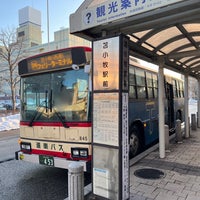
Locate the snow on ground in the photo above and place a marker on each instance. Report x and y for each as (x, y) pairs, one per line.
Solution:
(9, 122)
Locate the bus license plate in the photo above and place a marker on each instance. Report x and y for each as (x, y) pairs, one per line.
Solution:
(46, 160)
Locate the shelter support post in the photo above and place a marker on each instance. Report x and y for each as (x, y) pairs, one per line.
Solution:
(186, 106)
(161, 110)
(198, 105)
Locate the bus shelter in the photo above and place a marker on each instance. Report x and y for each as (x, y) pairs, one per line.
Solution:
(166, 33)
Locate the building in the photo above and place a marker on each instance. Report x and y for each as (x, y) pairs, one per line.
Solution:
(30, 26)
(29, 31)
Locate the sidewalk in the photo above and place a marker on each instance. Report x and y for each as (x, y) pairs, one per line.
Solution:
(181, 168)
(181, 173)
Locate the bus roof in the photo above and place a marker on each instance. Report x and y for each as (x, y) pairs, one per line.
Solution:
(154, 68)
(57, 51)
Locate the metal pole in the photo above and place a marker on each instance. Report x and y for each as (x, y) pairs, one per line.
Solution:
(167, 137)
(198, 105)
(193, 122)
(48, 21)
(179, 138)
(161, 110)
(186, 106)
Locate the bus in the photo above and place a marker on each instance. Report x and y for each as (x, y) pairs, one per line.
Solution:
(143, 103)
(56, 106)
(55, 115)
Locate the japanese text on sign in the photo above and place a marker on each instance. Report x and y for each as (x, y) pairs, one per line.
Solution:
(115, 9)
(106, 64)
(105, 118)
(53, 61)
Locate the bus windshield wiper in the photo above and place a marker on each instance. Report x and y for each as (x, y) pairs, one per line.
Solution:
(36, 113)
(46, 102)
(50, 101)
(60, 117)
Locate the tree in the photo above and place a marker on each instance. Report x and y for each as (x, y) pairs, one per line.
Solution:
(11, 52)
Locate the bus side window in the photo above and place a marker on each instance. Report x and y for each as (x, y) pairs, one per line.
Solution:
(155, 85)
(175, 89)
(149, 85)
(178, 89)
(182, 89)
(132, 85)
(132, 93)
(140, 81)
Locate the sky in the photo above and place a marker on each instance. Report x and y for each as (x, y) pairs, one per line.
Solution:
(59, 12)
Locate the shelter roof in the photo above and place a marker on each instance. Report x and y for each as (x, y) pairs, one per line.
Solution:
(169, 32)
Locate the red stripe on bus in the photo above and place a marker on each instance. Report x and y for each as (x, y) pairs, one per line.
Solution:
(58, 124)
(58, 154)
(51, 153)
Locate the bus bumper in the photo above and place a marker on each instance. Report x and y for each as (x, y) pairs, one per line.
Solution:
(58, 162)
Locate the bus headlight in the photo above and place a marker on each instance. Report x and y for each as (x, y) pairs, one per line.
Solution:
(25, 146)
(79, 152)
(84, 153)
(75, 152)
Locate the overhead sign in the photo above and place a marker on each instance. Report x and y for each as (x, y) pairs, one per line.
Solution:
(114, 10)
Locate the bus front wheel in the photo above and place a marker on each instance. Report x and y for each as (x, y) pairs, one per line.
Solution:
(134, 142)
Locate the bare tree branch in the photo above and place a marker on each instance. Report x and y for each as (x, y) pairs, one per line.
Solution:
(11, 52)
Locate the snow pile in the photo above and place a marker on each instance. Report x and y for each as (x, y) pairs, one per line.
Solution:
(9, 122)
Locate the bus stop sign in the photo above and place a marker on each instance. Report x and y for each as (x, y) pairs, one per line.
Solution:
(110, 118)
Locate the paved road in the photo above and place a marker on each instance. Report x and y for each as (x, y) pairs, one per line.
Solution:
(23, 180)
(8, 144)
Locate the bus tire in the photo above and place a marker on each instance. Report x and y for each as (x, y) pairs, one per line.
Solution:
(134, 141)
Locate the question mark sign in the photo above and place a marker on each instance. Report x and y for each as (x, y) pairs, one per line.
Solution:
(88, 15)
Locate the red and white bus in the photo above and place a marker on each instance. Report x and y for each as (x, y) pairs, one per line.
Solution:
(55, 124)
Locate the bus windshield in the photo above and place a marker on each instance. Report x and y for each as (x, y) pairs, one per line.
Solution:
(57, 96)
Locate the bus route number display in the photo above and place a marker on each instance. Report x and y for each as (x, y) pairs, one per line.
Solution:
(49, 62)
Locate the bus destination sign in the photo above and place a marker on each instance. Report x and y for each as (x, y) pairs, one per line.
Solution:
(50, 62)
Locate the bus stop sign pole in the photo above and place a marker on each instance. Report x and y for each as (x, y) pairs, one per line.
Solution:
(110, 162)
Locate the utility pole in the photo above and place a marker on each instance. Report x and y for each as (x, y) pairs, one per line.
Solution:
(48, 22)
